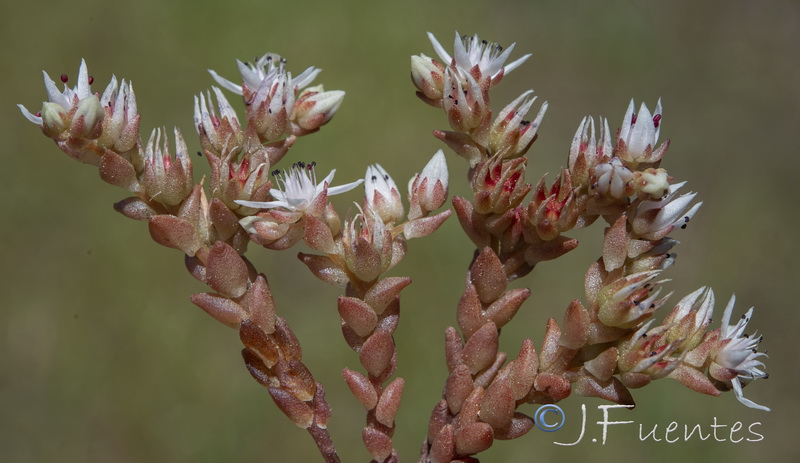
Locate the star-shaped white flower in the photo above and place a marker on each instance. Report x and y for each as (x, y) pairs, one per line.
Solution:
(266, 70)
(471, 51)
(739, 352)
(299, 189)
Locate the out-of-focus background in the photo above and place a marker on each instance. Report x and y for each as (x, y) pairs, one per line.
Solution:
(103, 357)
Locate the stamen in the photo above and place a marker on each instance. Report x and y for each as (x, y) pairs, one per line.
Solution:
(64, 78)
(656, 120)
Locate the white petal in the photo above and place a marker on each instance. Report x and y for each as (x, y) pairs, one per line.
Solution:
(305, 77)
(108, 93)
(261, 204)
(737, 389)
(625, 128)
(82, 89)
(225, 83)
(53, 94)
(516, 63)
(437, 47)
(344, 188)
(29, 115)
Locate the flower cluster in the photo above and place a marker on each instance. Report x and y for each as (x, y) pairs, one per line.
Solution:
(606, 345)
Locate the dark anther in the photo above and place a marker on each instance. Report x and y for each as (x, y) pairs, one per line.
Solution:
(275, 172)
(683, 227)
(633, 118)
(200, 154)
(386, 177)
(313, 163)
(484, 42)
(656, 120)
(686, 219)
(525, 123)
(64, 78)
(91, 80)
(766, 375)
(374, 178)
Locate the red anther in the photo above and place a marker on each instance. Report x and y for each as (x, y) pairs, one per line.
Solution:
(633, 118)
(656, 120)
(38, 114)
(64, 78)
(91, 80)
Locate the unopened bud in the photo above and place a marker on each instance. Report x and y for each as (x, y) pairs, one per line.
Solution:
(54, 119)
(382, 195)
(428, 76)
(317, 109)
(651, 184)
(88, 115)
(428, 190)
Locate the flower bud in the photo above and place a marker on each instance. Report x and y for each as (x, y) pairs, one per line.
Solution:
(463, 101)
(270, 107)
(368, 249)
(648, 351)
(612, 179)
(690, 318)
(512, 134)
(166, 180)
(499, 185)
(315, 108)
(218, 134)
(638, 136)
(427, 191)
(382, 196)
(87, 118)
(586, 151)
(121, 123)
(54, 119)
(651, 184)
(428, 76)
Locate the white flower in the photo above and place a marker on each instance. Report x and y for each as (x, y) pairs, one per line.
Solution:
(472, 51)
(739, 353)
(654, 219)
(66, 98)
(299, 189)
(640, 132)
(265, 71)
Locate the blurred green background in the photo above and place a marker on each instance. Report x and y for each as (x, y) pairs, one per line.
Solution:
(103, 357)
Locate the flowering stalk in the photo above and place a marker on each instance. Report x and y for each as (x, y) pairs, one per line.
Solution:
(605, 348)
(103, 131)
(355, 255)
